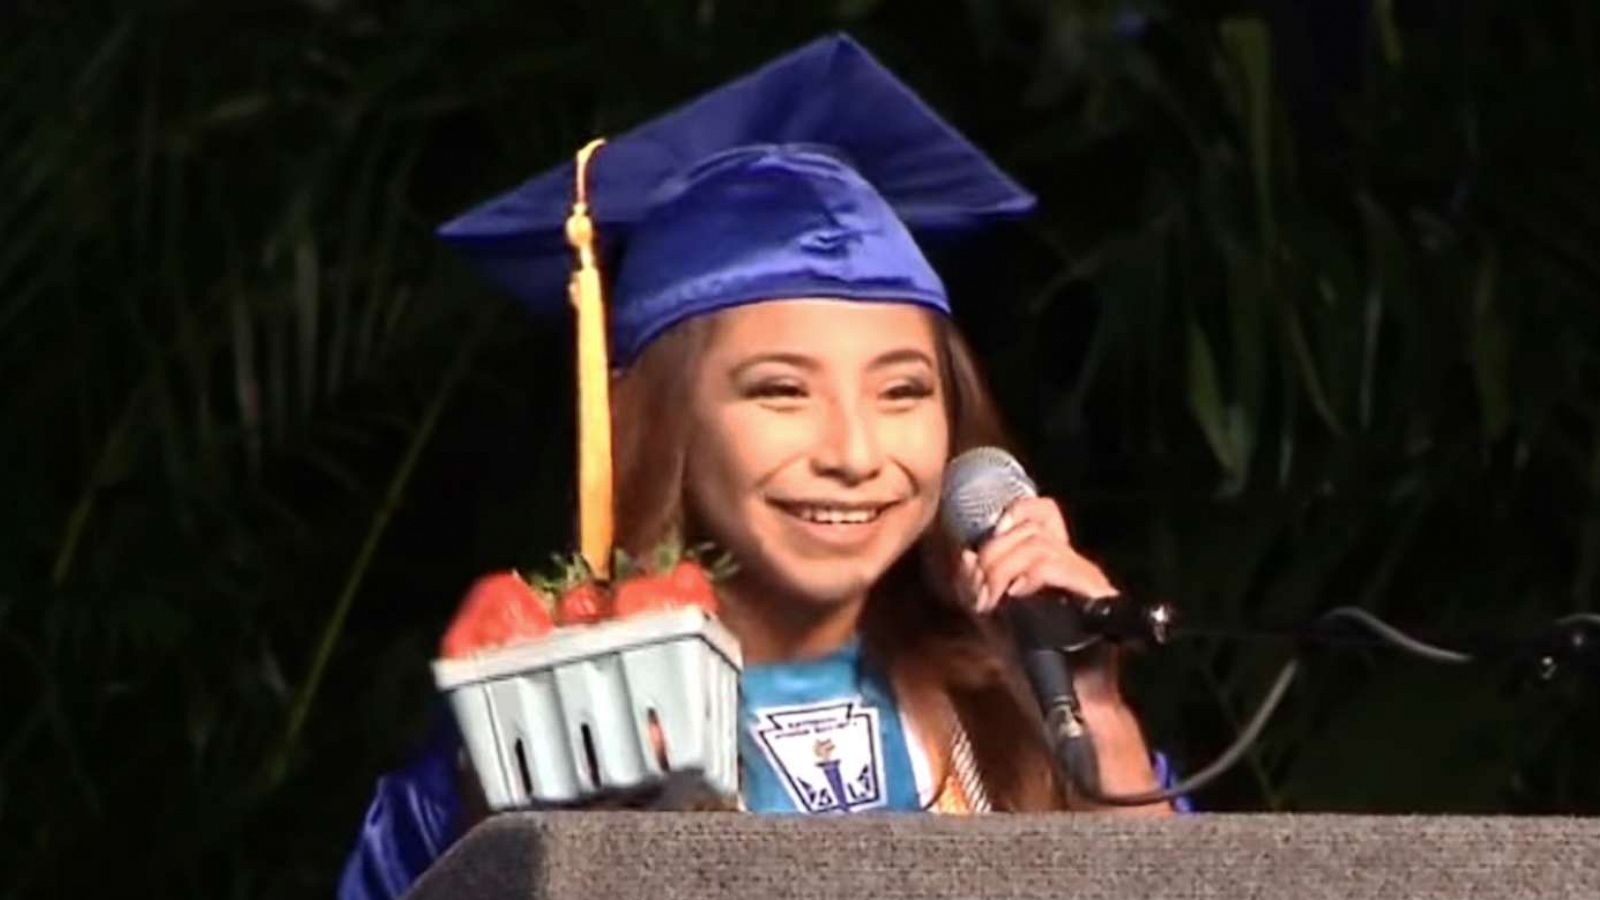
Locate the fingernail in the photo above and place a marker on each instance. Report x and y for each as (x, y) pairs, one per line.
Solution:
(983, 598)
(1003, 524)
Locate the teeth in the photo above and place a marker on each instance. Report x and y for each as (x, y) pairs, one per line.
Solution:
(833, 516)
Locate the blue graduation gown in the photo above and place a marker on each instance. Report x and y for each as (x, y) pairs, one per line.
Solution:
(816, 736)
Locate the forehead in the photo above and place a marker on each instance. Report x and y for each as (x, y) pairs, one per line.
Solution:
(826, 329)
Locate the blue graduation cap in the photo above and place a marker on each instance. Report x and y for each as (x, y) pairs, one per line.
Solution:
(805, 178)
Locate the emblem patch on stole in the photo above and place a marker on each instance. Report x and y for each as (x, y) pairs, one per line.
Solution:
(829, 755)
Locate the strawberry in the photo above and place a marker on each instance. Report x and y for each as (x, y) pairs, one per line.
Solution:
(583, 599)
(641, 594)
(582, 604)
(691, 585)
(686, 584)
(676, 580)
(500, 608)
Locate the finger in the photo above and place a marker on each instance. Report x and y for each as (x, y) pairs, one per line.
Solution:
(1068, 573)
(969, 579)
(1002, 572)
(1028, 566)
(982, 598)
(1018, 533)
(1043, 512)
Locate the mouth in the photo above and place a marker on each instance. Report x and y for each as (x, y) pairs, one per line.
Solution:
(830, 513)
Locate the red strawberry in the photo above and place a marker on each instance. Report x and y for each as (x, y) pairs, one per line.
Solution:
(499, 609)
(641, 594)
(582, 604)
(692, 584)
(583, 599)
(685, 584)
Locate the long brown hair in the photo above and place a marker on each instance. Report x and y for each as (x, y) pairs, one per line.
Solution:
(913, 625)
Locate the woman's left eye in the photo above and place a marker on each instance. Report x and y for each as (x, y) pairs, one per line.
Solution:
(908, 391)
(778, 392)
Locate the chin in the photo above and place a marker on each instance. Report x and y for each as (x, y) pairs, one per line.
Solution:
(825, 584)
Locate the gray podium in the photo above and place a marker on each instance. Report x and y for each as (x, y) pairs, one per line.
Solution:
(704, 856)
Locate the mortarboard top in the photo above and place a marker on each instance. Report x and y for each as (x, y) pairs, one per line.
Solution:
(805, 178)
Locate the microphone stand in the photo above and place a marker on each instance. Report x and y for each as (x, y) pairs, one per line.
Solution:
(1570, 644)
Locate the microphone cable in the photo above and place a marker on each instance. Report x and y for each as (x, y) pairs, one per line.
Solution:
(1385, 633)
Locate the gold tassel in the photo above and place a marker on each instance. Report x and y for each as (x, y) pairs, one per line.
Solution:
(595, 526)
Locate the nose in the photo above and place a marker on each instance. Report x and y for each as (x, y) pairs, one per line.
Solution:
(847, 448)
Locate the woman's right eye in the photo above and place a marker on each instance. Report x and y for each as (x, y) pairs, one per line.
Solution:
(776, 390)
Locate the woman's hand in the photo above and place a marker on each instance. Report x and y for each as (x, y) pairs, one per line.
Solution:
(1031, 551)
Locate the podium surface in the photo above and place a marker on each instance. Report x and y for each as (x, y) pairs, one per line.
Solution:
(668, 856)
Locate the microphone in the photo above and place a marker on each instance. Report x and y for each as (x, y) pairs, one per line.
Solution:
(979, 486)
(1048, 627)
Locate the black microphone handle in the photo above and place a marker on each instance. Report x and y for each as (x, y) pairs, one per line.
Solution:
(1040, 627)
(1065, 622)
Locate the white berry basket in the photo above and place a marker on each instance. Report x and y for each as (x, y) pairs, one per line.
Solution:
(588, 710)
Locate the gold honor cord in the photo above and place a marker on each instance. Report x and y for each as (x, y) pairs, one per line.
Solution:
(595, 526)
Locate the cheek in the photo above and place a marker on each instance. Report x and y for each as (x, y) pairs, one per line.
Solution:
(920, 443)
(734, 452)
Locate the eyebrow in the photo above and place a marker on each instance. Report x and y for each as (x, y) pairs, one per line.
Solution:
(798, 360)
(801, 361)
(903, 355)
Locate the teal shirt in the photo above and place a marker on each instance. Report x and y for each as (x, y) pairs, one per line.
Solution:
(823, 736)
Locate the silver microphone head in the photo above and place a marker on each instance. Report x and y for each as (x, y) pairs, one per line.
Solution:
(978, 486)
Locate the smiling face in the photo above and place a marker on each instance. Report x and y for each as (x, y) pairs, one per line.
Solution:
(820, 438)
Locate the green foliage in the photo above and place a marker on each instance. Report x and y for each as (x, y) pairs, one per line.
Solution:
(1299, 326)
(1340, 352)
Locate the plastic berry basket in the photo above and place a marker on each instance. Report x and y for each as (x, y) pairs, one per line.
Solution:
(589, 710)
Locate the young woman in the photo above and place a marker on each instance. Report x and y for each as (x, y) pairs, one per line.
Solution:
(790, 387)
(813, 447)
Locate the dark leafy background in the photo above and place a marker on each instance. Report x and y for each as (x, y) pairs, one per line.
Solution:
(1309, 318)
